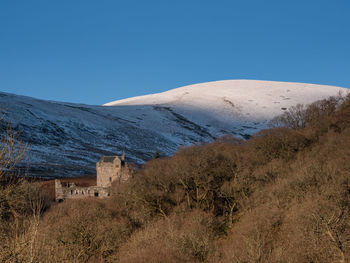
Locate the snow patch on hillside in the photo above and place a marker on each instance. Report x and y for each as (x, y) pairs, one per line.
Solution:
(66, 139)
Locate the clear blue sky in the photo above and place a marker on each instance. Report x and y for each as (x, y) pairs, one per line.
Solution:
(97, 51)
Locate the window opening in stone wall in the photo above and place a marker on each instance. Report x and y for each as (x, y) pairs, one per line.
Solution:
(96, 194)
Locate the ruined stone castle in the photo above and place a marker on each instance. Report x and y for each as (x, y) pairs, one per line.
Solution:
(109, 169)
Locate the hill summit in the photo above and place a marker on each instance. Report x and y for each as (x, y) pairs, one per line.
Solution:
(66, 139)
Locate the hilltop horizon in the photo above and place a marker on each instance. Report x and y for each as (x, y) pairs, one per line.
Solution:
(111, 101)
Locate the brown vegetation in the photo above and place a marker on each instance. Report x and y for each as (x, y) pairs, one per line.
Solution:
(282, 196)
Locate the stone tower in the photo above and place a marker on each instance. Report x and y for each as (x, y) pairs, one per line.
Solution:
(110, 169)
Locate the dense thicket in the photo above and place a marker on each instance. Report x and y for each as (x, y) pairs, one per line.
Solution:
(281, 196)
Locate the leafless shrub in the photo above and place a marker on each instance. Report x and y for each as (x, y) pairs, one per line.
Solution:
(182, 237)
(276, 143)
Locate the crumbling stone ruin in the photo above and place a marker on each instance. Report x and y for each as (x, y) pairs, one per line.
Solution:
(109, 169)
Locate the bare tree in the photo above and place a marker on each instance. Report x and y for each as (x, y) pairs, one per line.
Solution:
(12, 150)
(294, 118)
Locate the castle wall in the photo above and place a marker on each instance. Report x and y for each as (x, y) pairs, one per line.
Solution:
(76, 192)
(106, 172)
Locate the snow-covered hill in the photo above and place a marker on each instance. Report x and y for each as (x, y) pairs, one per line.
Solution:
(67, 139)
